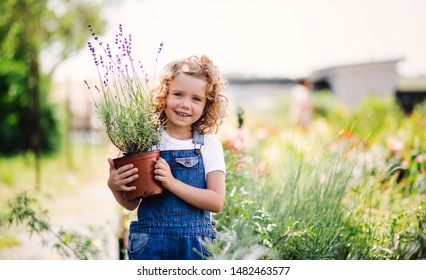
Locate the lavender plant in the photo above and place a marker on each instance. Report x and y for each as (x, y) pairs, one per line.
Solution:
(124, 103)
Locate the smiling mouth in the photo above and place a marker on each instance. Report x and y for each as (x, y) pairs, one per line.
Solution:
(182, 114)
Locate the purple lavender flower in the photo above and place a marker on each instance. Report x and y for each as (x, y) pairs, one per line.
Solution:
(160, 48)
(120, 86)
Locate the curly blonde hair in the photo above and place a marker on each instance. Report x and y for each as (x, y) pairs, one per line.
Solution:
(202, 68)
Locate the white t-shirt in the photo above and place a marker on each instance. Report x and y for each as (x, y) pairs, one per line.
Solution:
(211, 151)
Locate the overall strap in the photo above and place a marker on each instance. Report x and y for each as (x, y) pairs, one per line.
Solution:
(198, 140)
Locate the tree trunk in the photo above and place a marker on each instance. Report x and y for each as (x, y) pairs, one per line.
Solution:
(36, 137)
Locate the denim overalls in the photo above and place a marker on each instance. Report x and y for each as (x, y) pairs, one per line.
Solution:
(168, 228)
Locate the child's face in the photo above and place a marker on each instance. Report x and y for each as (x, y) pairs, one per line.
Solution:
(185, 101)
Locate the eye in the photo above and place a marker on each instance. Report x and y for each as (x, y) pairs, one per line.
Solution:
(178, 94)
(196, 99)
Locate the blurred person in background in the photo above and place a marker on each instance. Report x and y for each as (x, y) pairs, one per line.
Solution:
(301, 103)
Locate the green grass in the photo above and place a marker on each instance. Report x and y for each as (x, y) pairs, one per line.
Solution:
(332, 192)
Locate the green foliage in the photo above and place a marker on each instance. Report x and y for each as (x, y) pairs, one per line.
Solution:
(6, 238)
(389, 224)
(399, 241)
(327, 106)
(28, 29)
(374, 119)
(24, 210)
(326, 197)
(305, 214)
(123, 101)
(18, 124)
(307, 198)
(238, 243)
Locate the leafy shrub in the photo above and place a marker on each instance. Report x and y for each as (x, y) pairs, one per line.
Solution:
(25, 210)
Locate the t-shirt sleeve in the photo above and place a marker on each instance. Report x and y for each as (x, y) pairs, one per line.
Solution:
(213, 157)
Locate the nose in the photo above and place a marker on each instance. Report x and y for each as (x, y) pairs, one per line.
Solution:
(184, 103)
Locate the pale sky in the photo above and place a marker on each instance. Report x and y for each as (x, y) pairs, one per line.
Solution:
(285, 38)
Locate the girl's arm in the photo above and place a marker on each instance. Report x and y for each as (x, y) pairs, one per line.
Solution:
(210, 199)
(116, 183)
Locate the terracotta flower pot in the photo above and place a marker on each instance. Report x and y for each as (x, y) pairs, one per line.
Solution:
(146, 185)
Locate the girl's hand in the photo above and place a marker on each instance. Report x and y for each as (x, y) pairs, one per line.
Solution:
(164, 174)
(118, 178)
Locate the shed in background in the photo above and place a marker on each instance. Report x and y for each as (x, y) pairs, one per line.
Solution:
(352, 83)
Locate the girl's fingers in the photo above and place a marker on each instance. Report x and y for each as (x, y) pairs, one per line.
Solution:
(124, 168)
(130, 179)
(160, 171)
(162, 164)
(160, 177)
(162, 161)
(127, 181)
(129, 173)
(121, 180)
(128, 189)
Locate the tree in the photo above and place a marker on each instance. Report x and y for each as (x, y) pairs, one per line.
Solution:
(28, 29)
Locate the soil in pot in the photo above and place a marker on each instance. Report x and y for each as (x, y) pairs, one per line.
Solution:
(146, 185)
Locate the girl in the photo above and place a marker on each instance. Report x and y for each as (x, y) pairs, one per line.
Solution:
(191, 167)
